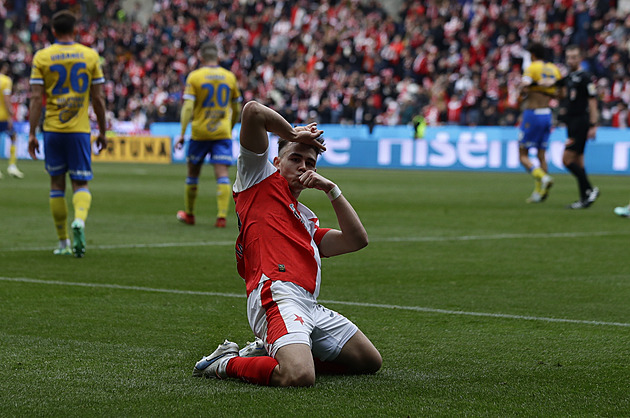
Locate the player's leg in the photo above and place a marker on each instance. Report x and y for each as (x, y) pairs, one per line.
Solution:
(536, 195)
(573, 162)
(573, 156)
(57, 167)
(12, 168)
(523, 156)
(224, 193)
(80, 169)
(4, 126)
(339, 346)
(295, 366)
(529, 138)
(546, 180)
(81, 202)
(360, 355)
(292, 365)
(59, 212)
(197, 151)
(278, 313)
(221, 159)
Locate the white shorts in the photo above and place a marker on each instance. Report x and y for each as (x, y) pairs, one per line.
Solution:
(282, 313)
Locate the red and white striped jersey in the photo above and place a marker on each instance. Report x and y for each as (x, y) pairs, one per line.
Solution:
(278, 236)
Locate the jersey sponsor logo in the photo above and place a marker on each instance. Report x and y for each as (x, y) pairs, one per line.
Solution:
(67, 114)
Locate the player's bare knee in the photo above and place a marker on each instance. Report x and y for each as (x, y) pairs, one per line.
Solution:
(295, 378)
(373, 362)
(369, 362)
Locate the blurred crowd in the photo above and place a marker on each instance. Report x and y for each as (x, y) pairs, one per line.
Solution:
(334, 61)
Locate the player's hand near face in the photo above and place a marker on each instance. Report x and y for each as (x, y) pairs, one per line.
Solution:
(311, 180)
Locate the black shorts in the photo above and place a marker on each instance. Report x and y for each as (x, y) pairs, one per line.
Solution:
(577, 133)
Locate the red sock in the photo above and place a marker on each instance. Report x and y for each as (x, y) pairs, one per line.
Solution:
(328, 367)
(255, 370)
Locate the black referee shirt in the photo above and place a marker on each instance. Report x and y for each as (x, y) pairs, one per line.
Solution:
(580, 88)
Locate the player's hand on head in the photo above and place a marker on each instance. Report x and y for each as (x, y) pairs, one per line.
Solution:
(308, 135)
(308, 127)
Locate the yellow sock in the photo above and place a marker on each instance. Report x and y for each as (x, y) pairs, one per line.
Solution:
(81, 200)
(59, 211)
(191, 195)
(12, 155)
(538, 186)
(223, 199)
(538, 173)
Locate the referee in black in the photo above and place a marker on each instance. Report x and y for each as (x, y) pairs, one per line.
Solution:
(581, 116)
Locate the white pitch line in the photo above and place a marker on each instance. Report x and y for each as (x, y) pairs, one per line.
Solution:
(384, 239)
(123, 246)
(503, 236)
(337, 302)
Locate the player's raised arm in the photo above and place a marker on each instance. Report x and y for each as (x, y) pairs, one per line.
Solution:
(258, 119)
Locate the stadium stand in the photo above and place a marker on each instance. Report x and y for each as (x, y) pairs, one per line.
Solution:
(338, 61)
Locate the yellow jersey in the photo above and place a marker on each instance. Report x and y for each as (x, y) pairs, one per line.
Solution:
(213, 90)
(6, 85)
(539, 70)
(67, 70)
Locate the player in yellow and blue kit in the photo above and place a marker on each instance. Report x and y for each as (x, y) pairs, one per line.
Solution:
(68, 75)
(6, 120)
(212, 100)
(537, 84)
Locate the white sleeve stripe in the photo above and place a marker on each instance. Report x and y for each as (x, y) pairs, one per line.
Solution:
(37, 81)
(98, 80)
(189, 97)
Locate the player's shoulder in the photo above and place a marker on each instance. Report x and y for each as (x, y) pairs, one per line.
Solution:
(43, 53)
(87, 50)
(535, 66)
(195, 74)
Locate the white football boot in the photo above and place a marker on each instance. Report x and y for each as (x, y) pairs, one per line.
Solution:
(255, 349)
(215, 364)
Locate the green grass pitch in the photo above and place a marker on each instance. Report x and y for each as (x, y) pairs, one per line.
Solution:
(480, 304)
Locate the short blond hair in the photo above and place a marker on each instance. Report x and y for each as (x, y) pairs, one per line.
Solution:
(209, 51)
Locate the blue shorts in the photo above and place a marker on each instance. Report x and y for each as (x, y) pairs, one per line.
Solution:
(68, 152)
(4, 127)
(535, 128)
(220, 151)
